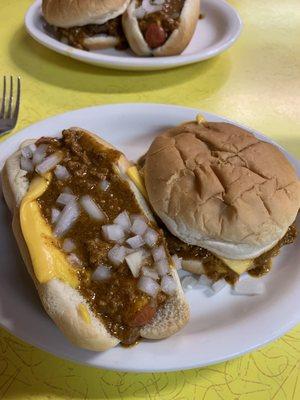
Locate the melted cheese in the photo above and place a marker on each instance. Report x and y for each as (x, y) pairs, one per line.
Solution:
(84, 314)
(48, 260)
(135, 176)
(238, 266)
(200, 119)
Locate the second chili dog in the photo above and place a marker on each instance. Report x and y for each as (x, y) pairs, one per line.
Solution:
(160, 27)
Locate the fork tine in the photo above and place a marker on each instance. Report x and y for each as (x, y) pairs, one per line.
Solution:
(3, 98)
(11, 95)
(17, 106)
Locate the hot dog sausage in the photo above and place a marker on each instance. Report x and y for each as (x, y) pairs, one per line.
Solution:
(155, 35)
(143, 316)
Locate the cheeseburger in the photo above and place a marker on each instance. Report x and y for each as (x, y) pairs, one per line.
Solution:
(87, 24)
(227, 199)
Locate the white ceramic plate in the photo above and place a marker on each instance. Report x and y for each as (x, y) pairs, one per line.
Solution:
(221, 327)
(218, 30)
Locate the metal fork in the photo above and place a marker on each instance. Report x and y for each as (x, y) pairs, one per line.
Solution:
(10, 105)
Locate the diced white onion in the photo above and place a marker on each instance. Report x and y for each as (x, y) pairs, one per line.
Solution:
(26, 164)
(102, 273)
(140, 12)
(249, 287)
(168, 285)
(139, 226)
(151, 237)
(209, 292)
(28, 151)
(92, 208)
(67, 218)
(135, 242)
(205, 281)
(150, 8)
(104, 185)
(123, 220)
(55, 213)
(219, 285)
(148, 286)
(61, 173)
(134, 262)
(129, 250)
(113, 232)
(32, 147)
(162, 267)
(65, 198)
(145, 253)
(74, 260)
(68, 245)
(188, 283)
(39, 154)
(67, 190)
(116, 254)
(134, 217)
(159, 253)
(177, 262)
(49, 163)
(146, 271)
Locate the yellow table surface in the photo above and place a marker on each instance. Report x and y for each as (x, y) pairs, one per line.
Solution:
(256, 82)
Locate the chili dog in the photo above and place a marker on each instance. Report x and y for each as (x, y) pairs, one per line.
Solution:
(161, 27)
(90, 243)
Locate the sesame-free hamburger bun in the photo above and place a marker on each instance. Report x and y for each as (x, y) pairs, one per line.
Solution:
(217, 186)
(78, 13)
(69, 13)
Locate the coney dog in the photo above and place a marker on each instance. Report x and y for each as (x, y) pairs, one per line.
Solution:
(89, 241)
(161, 27)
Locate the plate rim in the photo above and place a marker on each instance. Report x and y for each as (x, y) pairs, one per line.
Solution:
(4, 139)
(279, 332)
(130, 63)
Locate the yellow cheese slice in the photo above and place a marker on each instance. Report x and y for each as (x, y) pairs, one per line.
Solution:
(135, 176)
(48, 260)
(238, 266)
(200, 119)
(83, 312)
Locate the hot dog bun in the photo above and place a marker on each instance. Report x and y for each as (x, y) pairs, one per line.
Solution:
(177, 41)
(60, 300)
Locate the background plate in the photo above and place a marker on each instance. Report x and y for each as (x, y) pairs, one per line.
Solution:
(221, 327)
(218, 30)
